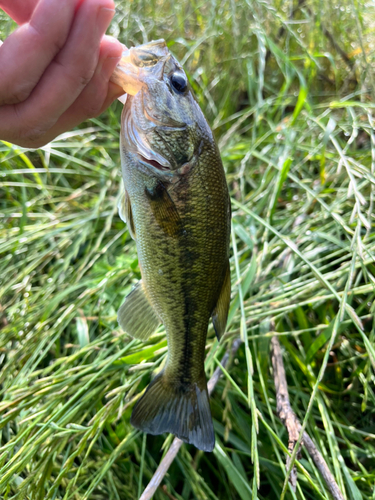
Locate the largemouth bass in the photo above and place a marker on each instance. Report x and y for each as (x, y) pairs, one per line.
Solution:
(177, 209)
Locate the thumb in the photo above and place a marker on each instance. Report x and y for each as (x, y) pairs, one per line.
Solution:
(19, 10)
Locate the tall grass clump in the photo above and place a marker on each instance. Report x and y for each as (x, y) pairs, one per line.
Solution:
(288, 88)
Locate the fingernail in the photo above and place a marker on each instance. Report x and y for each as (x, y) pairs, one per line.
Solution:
(105, 16)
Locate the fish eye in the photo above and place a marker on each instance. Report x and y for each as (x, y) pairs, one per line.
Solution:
(143, 59)
(179, 81)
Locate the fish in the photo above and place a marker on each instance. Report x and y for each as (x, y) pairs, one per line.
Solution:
(177, 208)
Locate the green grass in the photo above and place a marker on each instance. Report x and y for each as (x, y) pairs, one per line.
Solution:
(295, 123)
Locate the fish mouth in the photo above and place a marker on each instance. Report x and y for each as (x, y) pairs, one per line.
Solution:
(140, 65)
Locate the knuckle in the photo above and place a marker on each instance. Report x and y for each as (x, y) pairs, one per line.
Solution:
(54, 43)
(15, 94)
(85, 78)
(92, 109)
(81, 77)
(32, 142)
(93, 98)
(78, 74)
(31, 136)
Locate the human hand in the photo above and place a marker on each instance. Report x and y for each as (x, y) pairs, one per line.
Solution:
(55, 68)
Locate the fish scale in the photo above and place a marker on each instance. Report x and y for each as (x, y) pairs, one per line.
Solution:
(178, 210)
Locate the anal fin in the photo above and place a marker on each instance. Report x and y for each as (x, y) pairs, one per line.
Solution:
(136, 316)
(220, 313)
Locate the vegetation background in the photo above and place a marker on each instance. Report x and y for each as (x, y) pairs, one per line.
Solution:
(288, 88)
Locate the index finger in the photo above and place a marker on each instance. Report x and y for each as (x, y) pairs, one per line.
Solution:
(28, 51)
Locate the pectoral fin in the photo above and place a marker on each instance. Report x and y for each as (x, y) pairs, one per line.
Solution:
(125, 213)
(136, 316)
(164, 210)
(220, 313)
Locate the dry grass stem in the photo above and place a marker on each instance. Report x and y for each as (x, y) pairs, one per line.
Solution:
(293, 426)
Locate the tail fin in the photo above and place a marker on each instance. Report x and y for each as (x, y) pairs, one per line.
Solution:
(184, 412)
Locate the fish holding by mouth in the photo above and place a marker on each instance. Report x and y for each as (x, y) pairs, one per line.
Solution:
(177, 208)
